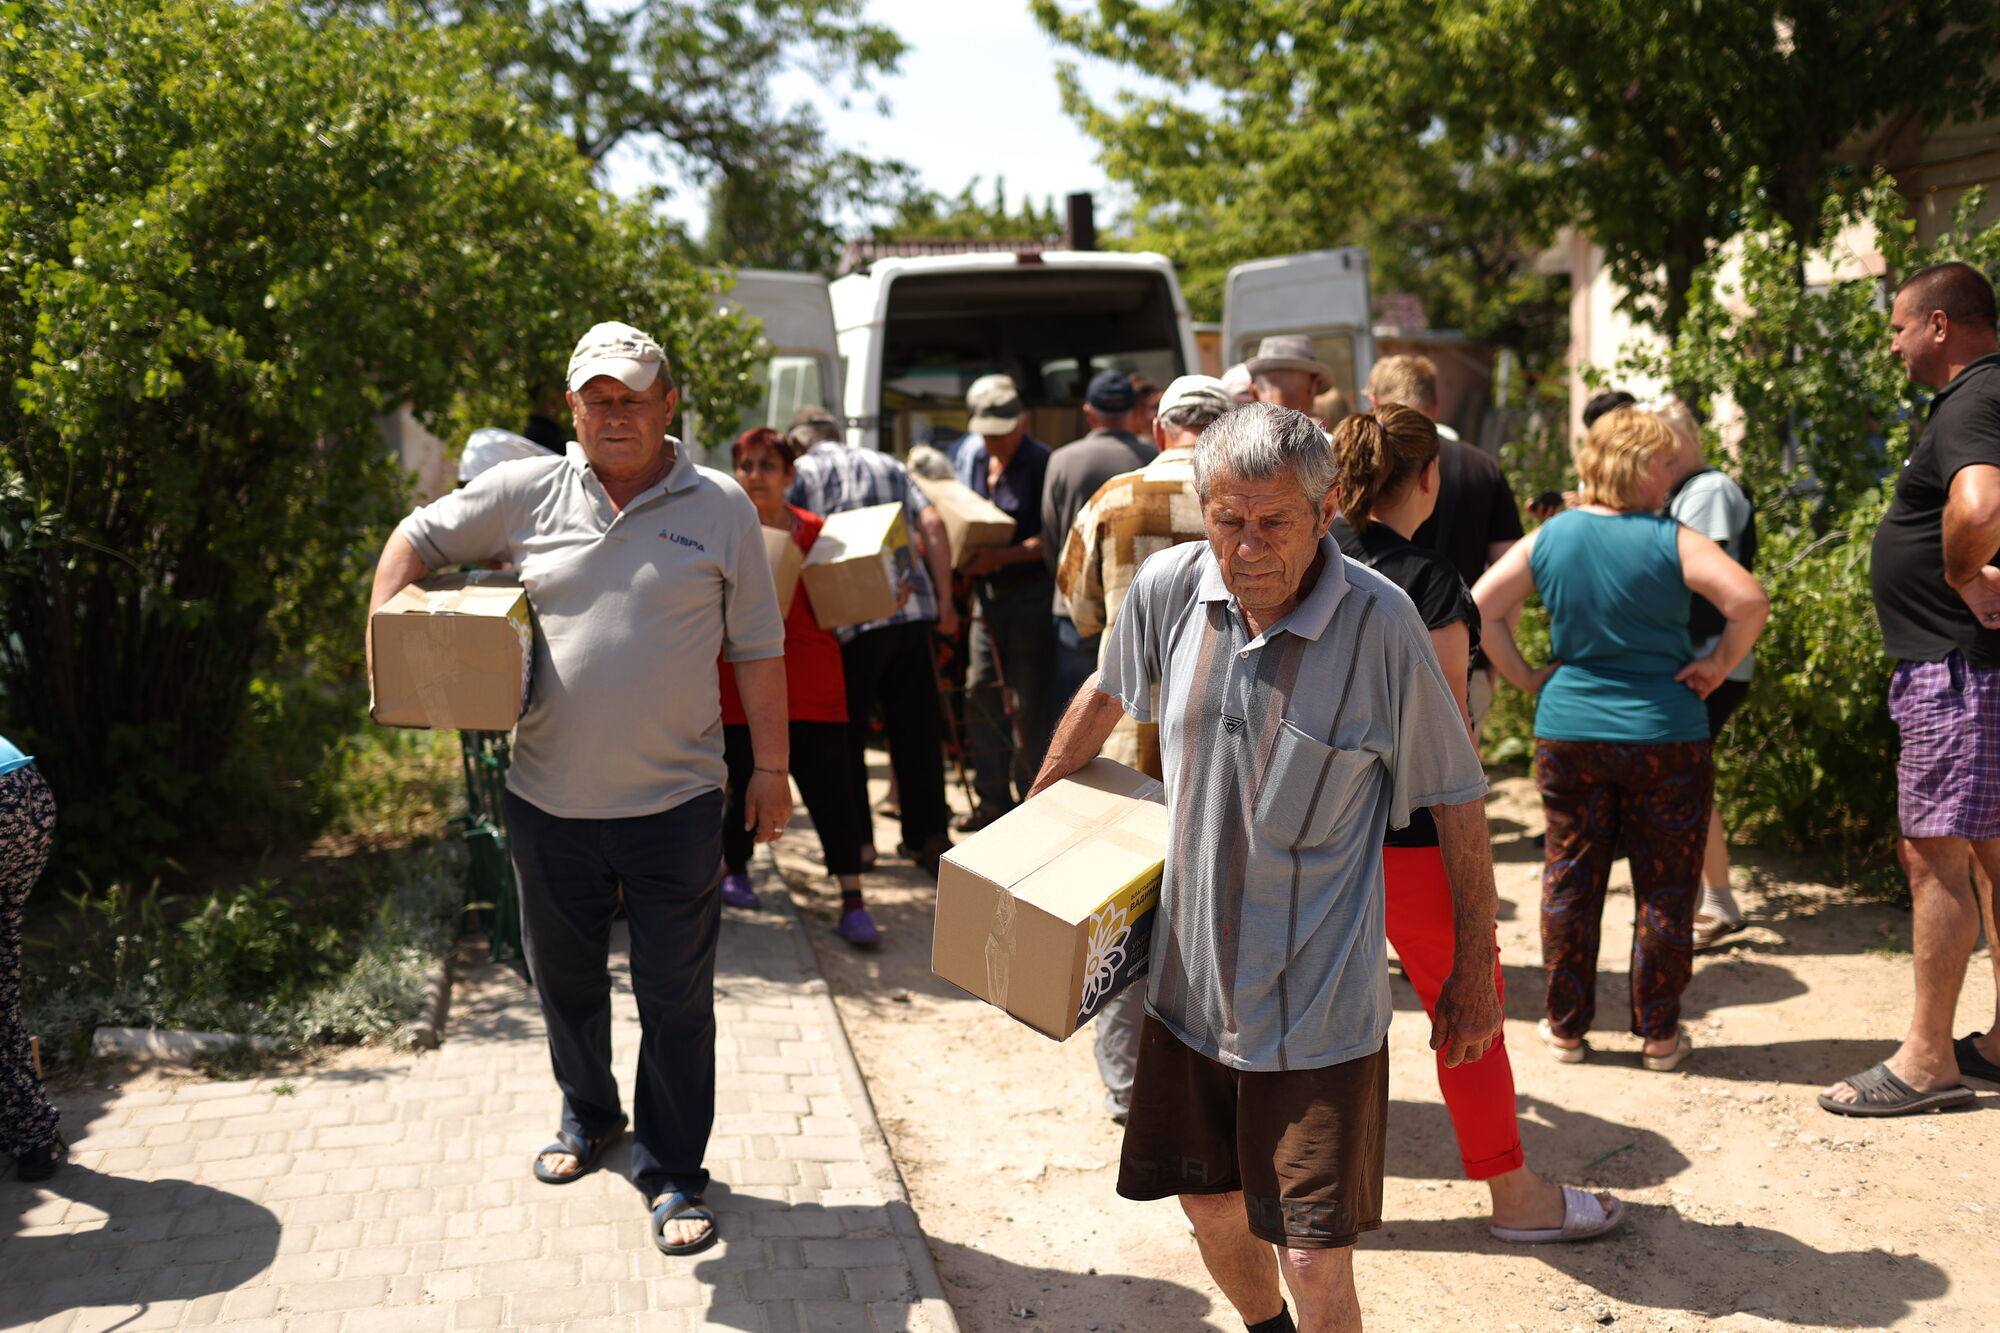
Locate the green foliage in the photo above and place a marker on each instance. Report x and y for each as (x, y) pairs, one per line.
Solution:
(964, 216)
(689, 85)
(1808, 371)
(1826, 418)
(1455, 136)
(1804, 757)
(231, 239)
(265, 959)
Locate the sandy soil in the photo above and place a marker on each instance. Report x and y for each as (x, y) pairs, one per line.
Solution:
(1751, 1208)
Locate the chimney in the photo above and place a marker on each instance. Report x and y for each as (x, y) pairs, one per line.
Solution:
(1080, 222)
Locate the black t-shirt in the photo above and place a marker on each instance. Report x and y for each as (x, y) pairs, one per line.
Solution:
(1441, 599)
(1475, 509)
(1924, 620)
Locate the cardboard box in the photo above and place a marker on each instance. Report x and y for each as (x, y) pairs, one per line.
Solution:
(1048, 911)
(452, 652)
(786, 560)
(858, 566)
(970, 519)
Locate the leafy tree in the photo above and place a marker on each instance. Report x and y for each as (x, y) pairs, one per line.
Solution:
(230, 240)
(964, 216)
(1497, 120)
(795, 209)
(689, 83)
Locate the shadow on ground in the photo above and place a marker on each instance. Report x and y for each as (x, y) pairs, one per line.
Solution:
(980, 1282)
(1561, 1143)
(1656, 1261)
(1719, 983)
(224, 1241)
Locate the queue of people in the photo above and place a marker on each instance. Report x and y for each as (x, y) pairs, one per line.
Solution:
(1288, 621)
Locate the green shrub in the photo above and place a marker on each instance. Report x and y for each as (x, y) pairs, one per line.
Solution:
(1808, 757)
(341, 963)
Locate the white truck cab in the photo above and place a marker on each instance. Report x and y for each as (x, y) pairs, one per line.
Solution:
(898, 344)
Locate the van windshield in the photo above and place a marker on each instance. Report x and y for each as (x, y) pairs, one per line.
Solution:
(1049, 328)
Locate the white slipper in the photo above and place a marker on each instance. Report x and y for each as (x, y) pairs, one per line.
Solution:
(1672, 1060)
(1569, 1055)
(1584, 1216)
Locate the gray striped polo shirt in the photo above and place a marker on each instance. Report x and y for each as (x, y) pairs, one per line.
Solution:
(1286, 755)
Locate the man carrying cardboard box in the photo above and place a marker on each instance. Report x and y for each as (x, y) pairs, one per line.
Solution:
(1301, 712)
(891, 670)
(641, 569)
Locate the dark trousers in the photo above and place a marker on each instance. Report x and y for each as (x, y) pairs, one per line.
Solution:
(1013, 639)
(890, 670)
(1655, 798)
(819, 765)
(569, 872)
(27, 830)
(1076, 658)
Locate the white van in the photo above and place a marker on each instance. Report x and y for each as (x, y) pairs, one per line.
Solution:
(897, 345)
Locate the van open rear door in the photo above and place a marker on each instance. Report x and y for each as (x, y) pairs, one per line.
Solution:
(1322, 294)
(803, 365)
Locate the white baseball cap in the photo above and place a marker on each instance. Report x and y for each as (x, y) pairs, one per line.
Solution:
(1204, 389)
(617, 350)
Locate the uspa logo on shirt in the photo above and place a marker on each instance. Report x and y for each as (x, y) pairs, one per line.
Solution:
(679, 540)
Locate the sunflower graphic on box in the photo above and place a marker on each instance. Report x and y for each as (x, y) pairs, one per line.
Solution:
(1120, 944)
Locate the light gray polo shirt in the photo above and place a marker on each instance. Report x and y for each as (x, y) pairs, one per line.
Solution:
(1286, 755)
(632, 609)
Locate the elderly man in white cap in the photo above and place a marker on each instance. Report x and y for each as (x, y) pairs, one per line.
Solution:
(1286, 372)
(642, 569)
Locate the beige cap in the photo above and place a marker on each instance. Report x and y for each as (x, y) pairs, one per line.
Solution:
(617, 350)
(1204, 389)
(1290, 351)
(995, 402)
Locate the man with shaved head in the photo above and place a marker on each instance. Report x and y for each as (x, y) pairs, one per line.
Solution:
(1937, 596)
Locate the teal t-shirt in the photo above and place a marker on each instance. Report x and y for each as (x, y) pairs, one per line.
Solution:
(1618, 607)
(11, 757)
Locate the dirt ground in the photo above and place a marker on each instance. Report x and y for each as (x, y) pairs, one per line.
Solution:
(1750, 1207)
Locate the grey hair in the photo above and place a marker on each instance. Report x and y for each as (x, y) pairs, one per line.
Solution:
(1262, 441)
(1193, 418)
(806, 434)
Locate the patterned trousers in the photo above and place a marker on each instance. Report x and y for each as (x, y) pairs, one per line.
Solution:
(1651, 802)
(27, 825)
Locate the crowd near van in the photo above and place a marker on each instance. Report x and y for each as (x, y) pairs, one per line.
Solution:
(895, 345)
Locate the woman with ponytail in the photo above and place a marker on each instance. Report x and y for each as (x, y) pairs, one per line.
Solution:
(1388, 480)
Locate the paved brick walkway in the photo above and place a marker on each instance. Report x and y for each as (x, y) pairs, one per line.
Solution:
(400, 1198)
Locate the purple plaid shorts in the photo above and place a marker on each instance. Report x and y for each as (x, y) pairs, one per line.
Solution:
(1948, 778)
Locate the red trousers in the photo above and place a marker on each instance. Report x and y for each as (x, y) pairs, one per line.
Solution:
(1479, 1095)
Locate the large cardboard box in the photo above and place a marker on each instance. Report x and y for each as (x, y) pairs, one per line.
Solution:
(452, 652)
(786, 560)
(859, 565)
(970, 519)
(1048, 911)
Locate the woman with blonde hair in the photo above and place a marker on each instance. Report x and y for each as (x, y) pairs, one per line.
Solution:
(1388, 483)
(1622, 750)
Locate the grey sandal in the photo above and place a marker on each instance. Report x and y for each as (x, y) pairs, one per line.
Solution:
(1883, 1094)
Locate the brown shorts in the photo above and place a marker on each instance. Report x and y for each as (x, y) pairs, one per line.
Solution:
(1304, 1146)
